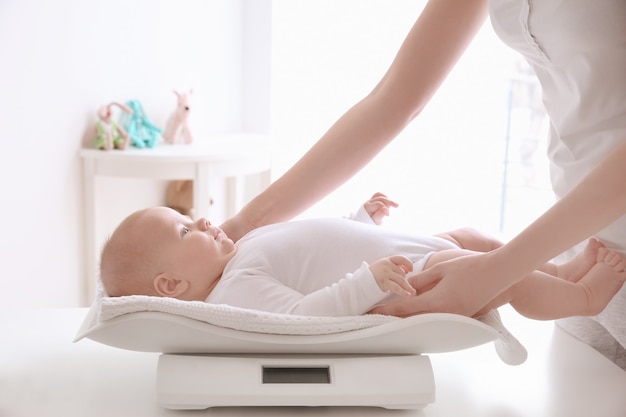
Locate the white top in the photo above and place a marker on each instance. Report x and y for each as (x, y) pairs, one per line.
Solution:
(577, 48)
(316, 267)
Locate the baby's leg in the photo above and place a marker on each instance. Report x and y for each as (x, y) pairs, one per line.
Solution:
(572, 270)
(544, 297)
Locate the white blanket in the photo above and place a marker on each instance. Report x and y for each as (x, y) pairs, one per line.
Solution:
(235, 318)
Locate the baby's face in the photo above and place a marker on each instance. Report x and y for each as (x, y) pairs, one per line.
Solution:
(192, 250)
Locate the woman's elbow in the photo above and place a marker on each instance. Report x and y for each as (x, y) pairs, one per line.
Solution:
(396, 105)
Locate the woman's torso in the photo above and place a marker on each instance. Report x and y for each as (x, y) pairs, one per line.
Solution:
(577, 48)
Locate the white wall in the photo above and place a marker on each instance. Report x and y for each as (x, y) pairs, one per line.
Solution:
(60, 61)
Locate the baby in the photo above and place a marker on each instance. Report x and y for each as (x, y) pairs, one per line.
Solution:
(329, 267)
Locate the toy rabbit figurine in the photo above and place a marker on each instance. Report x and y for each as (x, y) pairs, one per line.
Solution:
(177, 129)
(109, 134)
(142, 132)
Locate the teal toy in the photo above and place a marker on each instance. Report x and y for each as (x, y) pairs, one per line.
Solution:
(142, 132)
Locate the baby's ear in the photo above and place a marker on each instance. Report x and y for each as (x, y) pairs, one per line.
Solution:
(169, 286)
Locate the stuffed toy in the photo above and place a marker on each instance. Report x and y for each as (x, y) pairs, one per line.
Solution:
(177, 129)
(108, 134)
(179, 196)
(141, 131)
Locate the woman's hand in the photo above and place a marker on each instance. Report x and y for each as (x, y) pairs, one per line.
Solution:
(378, 207)
(236, 227)
(461, 286)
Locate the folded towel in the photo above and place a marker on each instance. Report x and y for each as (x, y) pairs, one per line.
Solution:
(238, 318)
(233, 317)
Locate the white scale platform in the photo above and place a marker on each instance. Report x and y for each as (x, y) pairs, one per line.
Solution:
(204, 365)
(198, 382)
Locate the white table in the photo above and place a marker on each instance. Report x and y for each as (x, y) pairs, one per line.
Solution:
(205, 162)
(43, 374)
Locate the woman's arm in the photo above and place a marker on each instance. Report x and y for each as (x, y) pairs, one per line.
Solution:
(467, 284)
(430, 50)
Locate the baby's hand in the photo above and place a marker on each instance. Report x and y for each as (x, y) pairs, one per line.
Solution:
(390, 274)
(378, 207)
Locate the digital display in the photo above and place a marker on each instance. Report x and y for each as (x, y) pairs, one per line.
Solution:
(290, 375)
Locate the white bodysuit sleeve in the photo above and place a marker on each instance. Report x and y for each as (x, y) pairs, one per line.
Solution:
(353, 295)
(362, 216)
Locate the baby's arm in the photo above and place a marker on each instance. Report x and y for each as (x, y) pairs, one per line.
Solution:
(374, 209)
(352, 295)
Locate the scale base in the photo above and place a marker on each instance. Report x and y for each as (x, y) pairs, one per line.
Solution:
(204, 381)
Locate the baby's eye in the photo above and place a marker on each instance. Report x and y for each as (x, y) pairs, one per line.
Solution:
(184, 231)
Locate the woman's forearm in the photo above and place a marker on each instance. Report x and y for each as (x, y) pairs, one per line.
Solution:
(432, 47)
(598, 200)
(467, 284)
(352, 142)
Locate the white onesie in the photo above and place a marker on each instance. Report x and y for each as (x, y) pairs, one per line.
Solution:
(315, 267)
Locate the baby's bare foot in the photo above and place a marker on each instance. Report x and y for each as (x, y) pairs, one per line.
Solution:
(604, 280)
(578, 266)
(612, 259)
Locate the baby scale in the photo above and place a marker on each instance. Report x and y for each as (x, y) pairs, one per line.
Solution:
(205, 365)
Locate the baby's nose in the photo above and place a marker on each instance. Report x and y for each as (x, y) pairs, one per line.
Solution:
(204, 224)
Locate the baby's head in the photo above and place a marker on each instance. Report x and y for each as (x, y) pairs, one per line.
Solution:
(160, 252)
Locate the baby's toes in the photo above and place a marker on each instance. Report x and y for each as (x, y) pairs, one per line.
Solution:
(612, 259)
(615, 261)
(602, 253)
(593, 245)
(620, 264)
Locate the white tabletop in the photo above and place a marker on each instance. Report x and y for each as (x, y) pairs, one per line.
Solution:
(219, 147)
(42, 373)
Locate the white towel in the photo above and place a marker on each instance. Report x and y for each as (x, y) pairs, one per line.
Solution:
(233, 317)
